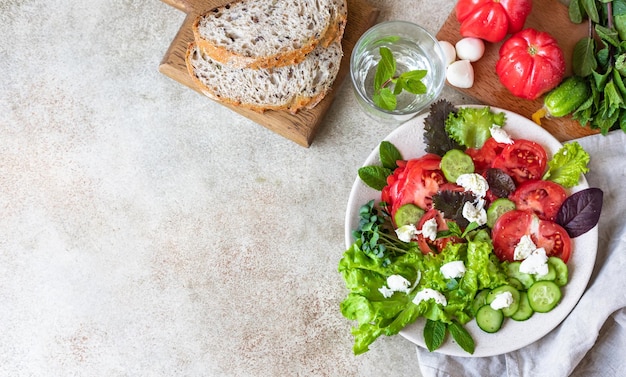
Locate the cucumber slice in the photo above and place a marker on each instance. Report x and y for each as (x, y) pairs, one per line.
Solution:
(408, 214)
(543, 296)
(512, 271)
(480, 300)
(497, 209)
(551, 275)
(488, 319)
(454, 163)
(524, 311)
(507, 312)
(562, 274)
(513, 282)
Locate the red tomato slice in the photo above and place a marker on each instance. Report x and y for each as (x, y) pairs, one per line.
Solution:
(544, 198)
(552, 237)
(427, 245)
(414, 182)
(523, 160)
(484, 156)
(508, 230)
(513, 225)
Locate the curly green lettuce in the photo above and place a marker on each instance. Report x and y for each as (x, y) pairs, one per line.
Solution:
(378, 315)
(471, 126)
(567, 165)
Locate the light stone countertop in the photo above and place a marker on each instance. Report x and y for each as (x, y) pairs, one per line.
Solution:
(148, 231)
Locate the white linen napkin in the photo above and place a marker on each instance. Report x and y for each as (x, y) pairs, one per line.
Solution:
(591, 341)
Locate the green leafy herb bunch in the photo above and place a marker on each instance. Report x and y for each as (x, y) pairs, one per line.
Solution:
(388, 85)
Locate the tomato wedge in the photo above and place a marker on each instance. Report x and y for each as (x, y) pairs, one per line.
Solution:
(415, 181)
(552, 237)
(508, 230)
(513, 225)
(523, 160)
(483, 157)
(544, 198)
(427, 245)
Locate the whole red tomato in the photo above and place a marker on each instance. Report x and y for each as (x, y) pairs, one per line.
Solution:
(492, 20)
(531, 63)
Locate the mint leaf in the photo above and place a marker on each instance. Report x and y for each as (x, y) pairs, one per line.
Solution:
(575, 13)
(386, 68)
(384, 80)
(583, 58)
(398, 86)
(462, 337)
(385, 99)
(434, 334)
(411, 81)
(389, 155)
(374, 176)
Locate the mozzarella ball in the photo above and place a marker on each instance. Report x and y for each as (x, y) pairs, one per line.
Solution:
(448, 51)
(460, 74)
(470, 48)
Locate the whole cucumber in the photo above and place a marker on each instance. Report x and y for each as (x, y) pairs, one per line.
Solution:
(564, 99)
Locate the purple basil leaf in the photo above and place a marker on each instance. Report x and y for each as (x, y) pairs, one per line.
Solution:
(500, 183)
(581, 211)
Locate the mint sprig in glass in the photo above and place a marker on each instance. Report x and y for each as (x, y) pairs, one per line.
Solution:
(388, 85)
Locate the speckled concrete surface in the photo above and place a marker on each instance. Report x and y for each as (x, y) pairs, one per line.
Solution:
(148, 231)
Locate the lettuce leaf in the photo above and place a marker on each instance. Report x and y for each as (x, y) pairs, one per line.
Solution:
(376, 315)
(567, 165)
(470, 126)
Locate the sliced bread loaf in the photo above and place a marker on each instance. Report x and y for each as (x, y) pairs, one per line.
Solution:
(291, 87)
(269, 33)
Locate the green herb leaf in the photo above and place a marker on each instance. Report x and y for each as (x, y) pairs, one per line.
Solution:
(575, 13)
(397, 86)
(462, 337)
(591, 10)
(584, 60)
(411, 81)
(619, 17)
(608, 35)
(434, 334)
(374, 176)
(386, 68)
(387, 86)
(470, 227)
(389, 155)
(385, 99)
(620, 64)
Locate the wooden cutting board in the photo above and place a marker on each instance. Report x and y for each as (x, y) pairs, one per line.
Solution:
(547, 15)
(301, 127)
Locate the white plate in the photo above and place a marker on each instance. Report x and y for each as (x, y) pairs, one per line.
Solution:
(408, 138)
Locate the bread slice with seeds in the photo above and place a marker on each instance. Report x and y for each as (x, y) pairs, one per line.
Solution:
(291, 87)
(269, 33)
